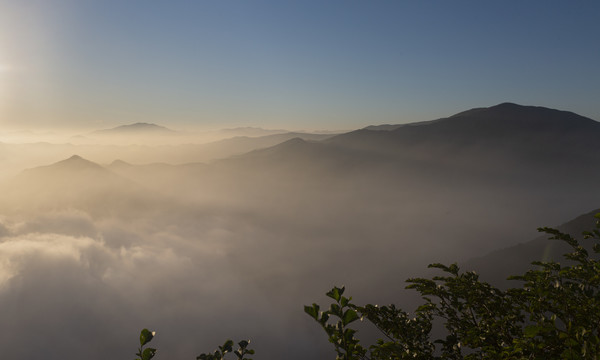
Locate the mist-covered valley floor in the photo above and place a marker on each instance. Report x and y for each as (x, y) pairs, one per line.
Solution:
(229, 239)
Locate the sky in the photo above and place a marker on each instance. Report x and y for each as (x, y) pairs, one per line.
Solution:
(91, 64)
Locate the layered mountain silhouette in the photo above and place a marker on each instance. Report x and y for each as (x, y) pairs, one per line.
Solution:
(510, 164)
(482, 168)
(494, 140)
(507, 143)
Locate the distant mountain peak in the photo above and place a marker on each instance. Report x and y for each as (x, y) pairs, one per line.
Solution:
(293, 143)
(139, 127)
(508, 109)
(296, 140)
(514, 117)
(508, 105)
(76, 162)
(142, 125)
(502, 107)
(72, 165)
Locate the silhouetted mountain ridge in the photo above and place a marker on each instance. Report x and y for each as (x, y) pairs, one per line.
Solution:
(507, 117)
(510, 119)
(526, 133)
(71, 183)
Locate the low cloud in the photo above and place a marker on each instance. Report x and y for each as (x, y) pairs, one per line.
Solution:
(237, 249)
(77, 285)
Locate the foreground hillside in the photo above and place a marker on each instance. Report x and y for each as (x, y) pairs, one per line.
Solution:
(498, 265)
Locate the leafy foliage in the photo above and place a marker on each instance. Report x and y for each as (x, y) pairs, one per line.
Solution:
(555, 314)
(145, 337)
(241, 352)
(346, 345)
(219, 354)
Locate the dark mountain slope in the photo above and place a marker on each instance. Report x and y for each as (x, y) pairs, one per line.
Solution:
(505, 125)
(498, 265)
(507, 142)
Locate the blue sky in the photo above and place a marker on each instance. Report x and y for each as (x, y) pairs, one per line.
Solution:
(327, 64)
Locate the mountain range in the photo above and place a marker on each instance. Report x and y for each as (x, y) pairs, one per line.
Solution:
(123, 236)
(490, 161)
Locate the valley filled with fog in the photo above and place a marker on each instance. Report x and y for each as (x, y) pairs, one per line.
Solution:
(208, 238)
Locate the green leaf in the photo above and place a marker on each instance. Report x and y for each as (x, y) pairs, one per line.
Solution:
(148, 354)
(336, 310)
(146, 336)
(313, 311)
(336, 293)
(324, 319)
(349, 316)
(227, 347)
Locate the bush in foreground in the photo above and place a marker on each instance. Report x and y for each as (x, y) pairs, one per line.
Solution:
(554, 314)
